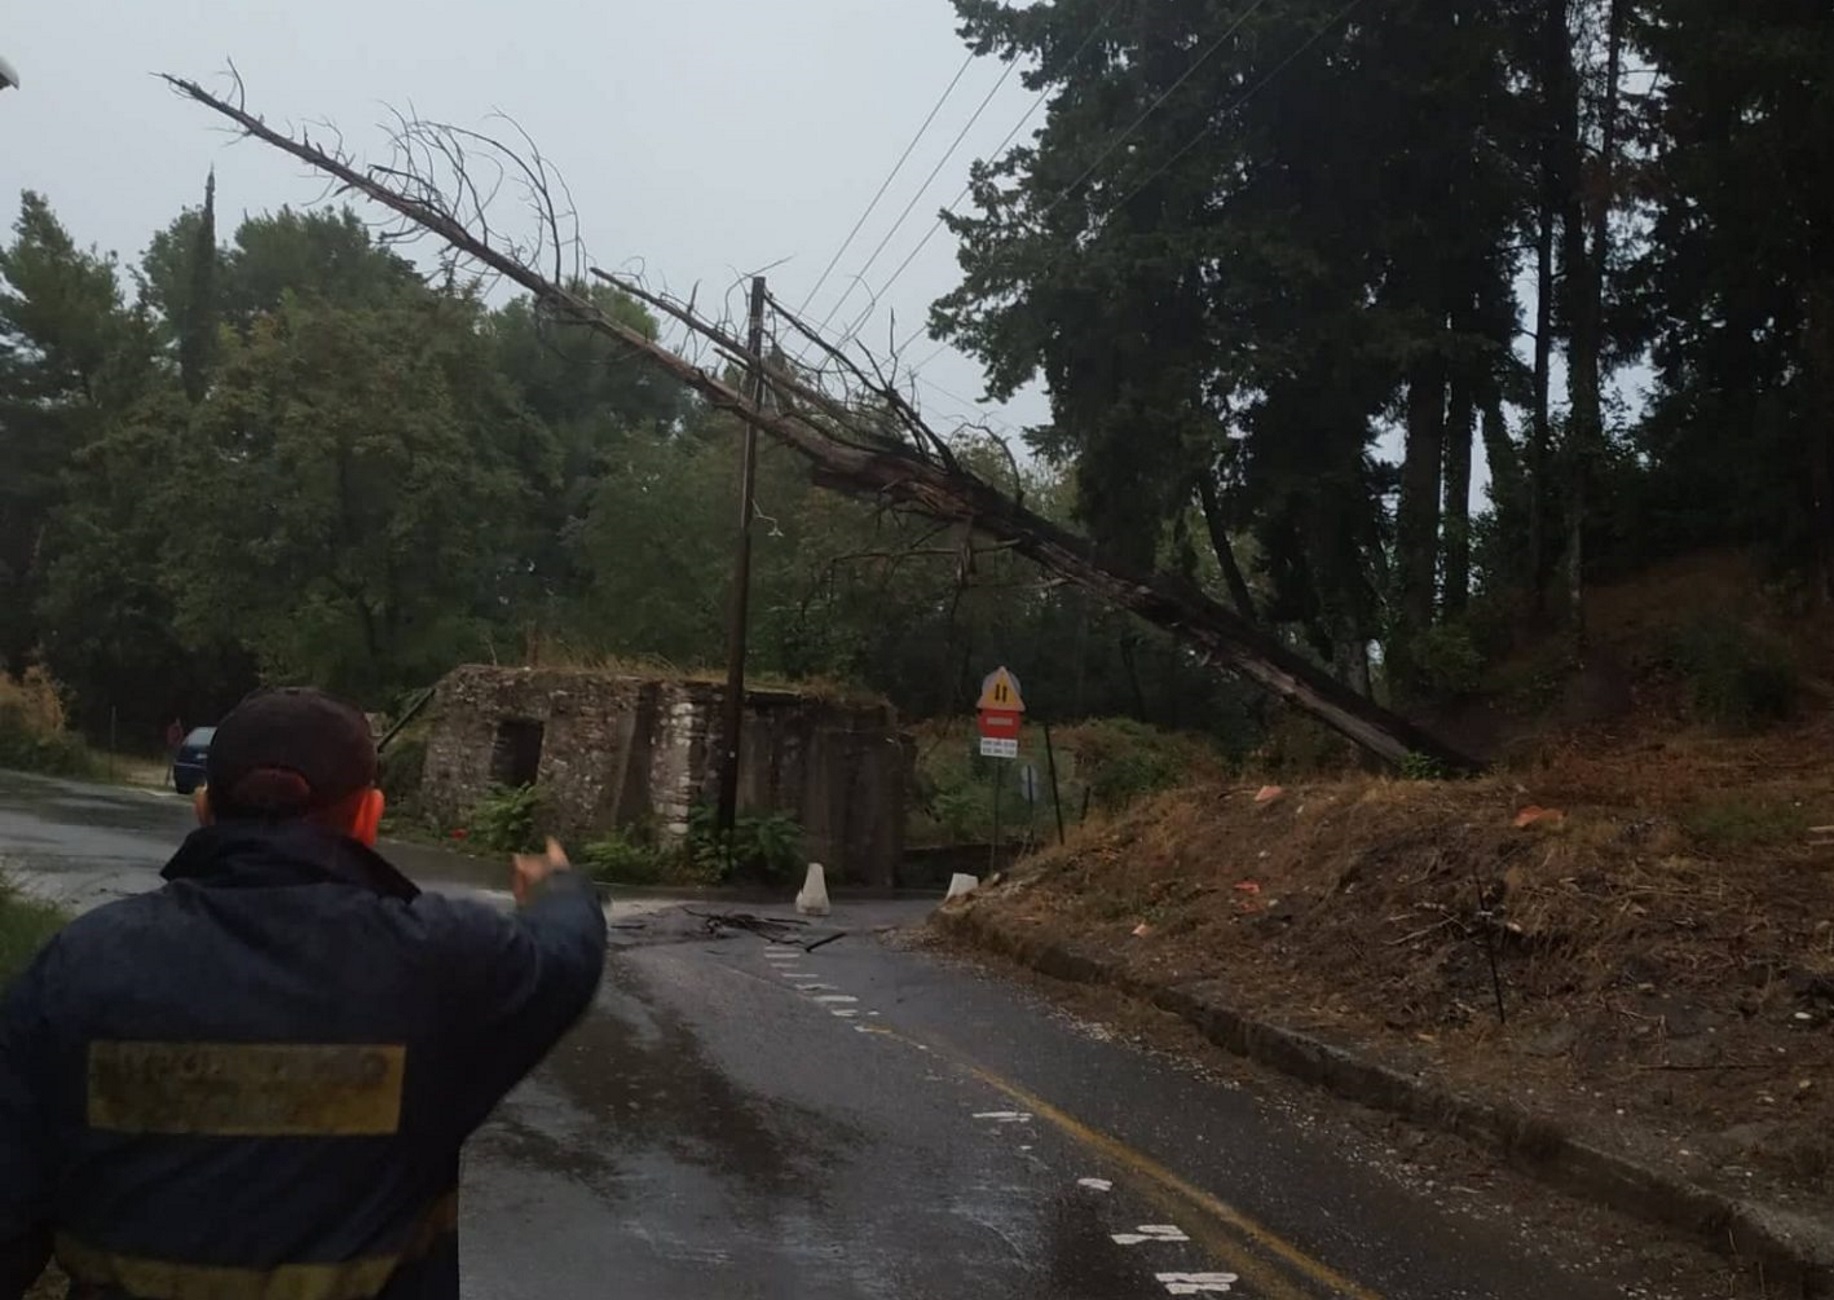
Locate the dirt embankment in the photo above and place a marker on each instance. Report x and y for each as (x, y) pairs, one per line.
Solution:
(1656, 920)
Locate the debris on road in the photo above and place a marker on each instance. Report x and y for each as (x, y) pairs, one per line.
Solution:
(779, 930)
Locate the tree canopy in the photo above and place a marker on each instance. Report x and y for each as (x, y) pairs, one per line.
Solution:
(1336, 306)
(1324, 265)
(287, 457)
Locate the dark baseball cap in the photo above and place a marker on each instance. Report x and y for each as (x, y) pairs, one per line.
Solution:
(289, 753)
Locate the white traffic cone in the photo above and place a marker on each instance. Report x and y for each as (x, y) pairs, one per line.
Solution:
(813, 900)
(961, 886)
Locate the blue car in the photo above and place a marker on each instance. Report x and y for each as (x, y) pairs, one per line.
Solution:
(188, 762)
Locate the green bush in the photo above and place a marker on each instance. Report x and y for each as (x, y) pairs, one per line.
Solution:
(1746, 823)
(1447, 660)
(765, 847)
(506, 820)
(25, 926)
(1416, 766)
(1120, 760)
(62, 754)
(620, 858)
(400, 770)
(1738, 679)
(33, 737)
(962, 812)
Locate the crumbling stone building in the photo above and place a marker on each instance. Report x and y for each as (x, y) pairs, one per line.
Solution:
(612, 751)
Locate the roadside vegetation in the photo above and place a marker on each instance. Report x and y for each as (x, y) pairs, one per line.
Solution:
(25, 925)
(765, 848)
(1102, 766)
(34, 735)
(1633, 915)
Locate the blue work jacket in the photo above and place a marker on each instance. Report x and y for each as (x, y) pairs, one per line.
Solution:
(253, 1083)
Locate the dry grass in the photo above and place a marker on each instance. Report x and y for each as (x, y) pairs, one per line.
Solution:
(33, 700)
(1665, 944)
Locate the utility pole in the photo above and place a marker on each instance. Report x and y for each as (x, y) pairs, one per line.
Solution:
(734, 719)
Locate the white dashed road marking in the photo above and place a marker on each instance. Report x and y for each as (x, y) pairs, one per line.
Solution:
(1198, 1283)
(1150, 1232)
(845, 1006)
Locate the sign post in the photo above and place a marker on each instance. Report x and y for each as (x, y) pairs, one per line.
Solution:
(1002, 713)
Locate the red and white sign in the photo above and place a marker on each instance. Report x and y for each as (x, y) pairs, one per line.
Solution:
(1002, 710)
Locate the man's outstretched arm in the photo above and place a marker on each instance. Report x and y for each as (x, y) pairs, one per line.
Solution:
(521, 980)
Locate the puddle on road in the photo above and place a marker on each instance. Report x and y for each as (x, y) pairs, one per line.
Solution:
(642, 1063)
(1080, 1257)
(52, 802)
(632, 1082)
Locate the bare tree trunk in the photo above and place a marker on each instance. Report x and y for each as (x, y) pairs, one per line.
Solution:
(1540, 430)
(1588, 243)
(1461, 431)
(1818, 353)
(1350, 658)
(1417, 521)
(1224, 549)
(864, 463)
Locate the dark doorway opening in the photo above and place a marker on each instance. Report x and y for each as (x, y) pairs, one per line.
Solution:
(515, 758)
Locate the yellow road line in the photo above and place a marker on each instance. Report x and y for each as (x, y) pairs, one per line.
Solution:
(1222, 1229)
(1119, 1153)
(1213, 1211)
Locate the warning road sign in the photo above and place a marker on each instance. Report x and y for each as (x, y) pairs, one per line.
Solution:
(1000, 692)
(1001, 709)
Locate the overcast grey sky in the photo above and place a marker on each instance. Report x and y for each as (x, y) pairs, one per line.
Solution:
(704, 137)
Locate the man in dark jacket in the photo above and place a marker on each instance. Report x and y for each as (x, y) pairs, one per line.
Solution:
(255, 1082)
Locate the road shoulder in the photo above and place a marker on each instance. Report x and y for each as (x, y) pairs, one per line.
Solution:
(1609, 1168)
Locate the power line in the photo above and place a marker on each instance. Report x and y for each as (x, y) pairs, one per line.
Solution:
(1173, 161)
(967, 189)
(1107, 152)
(1209, 53)
(886, 185)
(1229, 112)
(921, 191)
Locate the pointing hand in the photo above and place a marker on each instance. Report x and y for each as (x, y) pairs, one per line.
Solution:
(528, 870)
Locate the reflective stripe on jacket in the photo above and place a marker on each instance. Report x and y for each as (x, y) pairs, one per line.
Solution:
(254, 1083)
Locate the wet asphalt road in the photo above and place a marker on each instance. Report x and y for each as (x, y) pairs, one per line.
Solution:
(741, 1119)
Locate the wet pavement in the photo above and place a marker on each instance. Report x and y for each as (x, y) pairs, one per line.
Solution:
(741, 1118)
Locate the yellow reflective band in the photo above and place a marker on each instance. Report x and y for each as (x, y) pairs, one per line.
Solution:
(246, 1089)
(160, 1279)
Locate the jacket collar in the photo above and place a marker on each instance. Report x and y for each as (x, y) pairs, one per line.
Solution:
(254, 854)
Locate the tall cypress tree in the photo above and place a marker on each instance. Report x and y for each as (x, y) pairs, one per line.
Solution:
(197, 339)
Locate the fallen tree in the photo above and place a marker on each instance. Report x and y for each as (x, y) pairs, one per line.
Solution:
(882, 448)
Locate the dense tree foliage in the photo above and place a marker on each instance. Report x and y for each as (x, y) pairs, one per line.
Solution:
(288, 458)
(1325, 265)
(1297, 274)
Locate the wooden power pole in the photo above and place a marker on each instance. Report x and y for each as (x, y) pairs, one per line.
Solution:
(733, 720)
